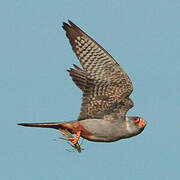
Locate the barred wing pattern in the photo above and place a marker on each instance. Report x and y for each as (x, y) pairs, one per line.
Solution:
(106, 87)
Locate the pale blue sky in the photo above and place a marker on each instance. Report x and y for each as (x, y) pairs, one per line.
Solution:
(144, 38)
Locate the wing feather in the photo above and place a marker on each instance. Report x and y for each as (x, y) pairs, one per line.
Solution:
(105, 85)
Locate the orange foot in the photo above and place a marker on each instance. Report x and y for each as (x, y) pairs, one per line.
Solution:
(75, 140)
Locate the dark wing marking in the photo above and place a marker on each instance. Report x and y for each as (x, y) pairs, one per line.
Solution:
(106, 87)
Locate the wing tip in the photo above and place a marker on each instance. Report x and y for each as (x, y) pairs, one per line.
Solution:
(66, 25)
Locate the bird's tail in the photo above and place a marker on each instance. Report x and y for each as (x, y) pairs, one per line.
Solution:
(55, 125)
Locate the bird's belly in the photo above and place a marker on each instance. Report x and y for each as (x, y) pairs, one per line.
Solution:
(100, 130)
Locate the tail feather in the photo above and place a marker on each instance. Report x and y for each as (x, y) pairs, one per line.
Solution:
(55, 125)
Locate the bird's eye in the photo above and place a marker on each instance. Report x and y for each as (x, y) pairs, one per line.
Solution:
(137, 120)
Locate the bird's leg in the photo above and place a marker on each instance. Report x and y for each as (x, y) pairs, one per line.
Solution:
(75, 139)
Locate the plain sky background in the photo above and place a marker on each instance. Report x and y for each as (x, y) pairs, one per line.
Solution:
(143, 36)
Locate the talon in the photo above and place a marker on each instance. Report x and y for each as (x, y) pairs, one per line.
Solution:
(75, 139)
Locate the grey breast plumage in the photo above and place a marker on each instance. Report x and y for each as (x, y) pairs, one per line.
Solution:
(105, 85)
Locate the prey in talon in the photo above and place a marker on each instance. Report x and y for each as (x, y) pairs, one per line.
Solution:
(106, 90)
(69, 137)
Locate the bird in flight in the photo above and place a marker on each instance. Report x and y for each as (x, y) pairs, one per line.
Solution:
(106, 89)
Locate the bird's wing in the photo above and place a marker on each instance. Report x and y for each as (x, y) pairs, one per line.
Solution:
(105, 85)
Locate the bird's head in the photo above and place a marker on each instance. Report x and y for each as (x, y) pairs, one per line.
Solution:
(137, 122)
(140, 122)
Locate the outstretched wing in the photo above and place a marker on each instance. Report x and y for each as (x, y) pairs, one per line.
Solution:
(105, 85)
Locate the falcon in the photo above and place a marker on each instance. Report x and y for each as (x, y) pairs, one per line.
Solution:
(106, 89)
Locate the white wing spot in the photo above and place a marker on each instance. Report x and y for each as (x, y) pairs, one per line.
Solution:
(92, 44)
(82, 41)
(89, 42)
